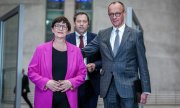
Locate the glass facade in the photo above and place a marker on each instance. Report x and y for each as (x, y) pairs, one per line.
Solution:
(55, 8)
(9, 59)
(11, 54)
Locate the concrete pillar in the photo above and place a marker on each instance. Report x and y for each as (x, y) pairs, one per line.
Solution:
(69, 10)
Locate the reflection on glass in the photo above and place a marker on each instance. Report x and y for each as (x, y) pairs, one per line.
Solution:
(55, 4)
(55, 8)
(83, 4)
(9, 59)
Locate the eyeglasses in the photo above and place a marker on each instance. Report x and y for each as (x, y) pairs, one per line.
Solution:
(82, 21)
(117, 14)
(59, 26)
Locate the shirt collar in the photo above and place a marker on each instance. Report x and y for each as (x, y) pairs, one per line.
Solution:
(121, 29)
(77, 34)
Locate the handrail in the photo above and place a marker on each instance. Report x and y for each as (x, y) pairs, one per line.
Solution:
(132, 20)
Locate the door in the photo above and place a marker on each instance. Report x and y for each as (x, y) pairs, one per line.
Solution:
(11, 48)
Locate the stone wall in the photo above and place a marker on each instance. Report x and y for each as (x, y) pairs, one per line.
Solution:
(160, 20)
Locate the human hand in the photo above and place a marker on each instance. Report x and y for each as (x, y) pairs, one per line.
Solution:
(53, 85)
(91, 67)
(143, 98)
(24, 90)
(65, 85)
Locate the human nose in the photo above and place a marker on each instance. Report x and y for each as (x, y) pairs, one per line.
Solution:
(81, 23)
(61, 28)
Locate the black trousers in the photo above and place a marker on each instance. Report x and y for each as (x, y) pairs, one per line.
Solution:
(24, 95)
(87, 98)
(60, 100)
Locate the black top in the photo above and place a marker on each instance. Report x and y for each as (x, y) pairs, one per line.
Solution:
(25, 84)
(59, 68)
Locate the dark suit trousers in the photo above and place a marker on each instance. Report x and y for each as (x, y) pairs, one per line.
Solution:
(87, 98)
(113, 100)
(24, 95)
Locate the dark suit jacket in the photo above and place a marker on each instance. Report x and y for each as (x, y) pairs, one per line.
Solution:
(95, 58)
(25, 83)
(124, 67)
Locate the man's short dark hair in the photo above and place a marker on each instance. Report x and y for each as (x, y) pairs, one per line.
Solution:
(81, 13)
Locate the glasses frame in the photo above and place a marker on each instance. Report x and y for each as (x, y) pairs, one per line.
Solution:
(60, 27)
(117, 14)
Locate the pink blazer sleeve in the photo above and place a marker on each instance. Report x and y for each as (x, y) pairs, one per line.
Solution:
(34, 70)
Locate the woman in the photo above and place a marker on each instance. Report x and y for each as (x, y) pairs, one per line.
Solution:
(57, 69)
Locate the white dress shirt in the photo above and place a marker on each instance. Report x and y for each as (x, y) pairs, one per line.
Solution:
(113, 35)
(78, 40)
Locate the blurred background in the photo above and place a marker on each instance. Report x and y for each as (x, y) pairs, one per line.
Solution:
(24, 27)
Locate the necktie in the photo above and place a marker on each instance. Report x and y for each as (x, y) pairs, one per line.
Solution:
(116, 43)
(81, 45)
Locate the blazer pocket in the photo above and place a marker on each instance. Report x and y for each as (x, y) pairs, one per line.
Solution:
(102, 72)
(130, 46)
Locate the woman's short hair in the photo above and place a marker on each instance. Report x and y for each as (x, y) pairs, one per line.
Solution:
(61, 19)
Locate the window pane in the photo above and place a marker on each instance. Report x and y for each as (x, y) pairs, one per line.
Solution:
(10, 34)
(55, 4)
(83, 4)
(55, 8)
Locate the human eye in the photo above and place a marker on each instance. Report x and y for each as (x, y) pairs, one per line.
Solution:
(64, 26)
(57, 25)
(85, 21)
(78, 21)
(117, 14)
(111, 14)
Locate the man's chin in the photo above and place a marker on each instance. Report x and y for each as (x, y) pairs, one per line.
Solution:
(116, 25)
(81, 32)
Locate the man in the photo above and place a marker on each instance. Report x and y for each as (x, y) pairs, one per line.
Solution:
(123, 61)
(25, 88)
(89, 91)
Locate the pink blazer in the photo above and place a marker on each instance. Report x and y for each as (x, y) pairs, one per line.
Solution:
(40, 71)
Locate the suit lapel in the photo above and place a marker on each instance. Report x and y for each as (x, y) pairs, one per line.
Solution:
(125, 36)
(89, 37)
(108, 41)
(48, 58)
(73, 39)
(70, 58)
